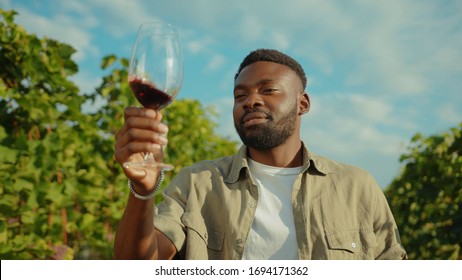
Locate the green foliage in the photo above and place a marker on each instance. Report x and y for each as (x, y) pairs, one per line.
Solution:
(427, 197)
(61, 191)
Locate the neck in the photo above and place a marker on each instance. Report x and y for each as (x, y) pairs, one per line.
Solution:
(289, 154)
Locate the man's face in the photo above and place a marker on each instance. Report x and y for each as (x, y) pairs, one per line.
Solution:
(266, 104)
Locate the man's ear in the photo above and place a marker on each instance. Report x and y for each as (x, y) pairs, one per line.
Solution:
(304, 103)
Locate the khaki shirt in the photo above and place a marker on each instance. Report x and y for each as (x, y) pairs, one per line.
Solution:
(340, 212)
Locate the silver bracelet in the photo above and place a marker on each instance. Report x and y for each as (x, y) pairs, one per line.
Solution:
(152, 194)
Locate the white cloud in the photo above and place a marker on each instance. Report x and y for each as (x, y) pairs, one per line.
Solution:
(400, 47)
(121, 17)
(352, 124)
(450, 113)
(281, 40)
(251, 29)
(62, 28)
(86, 18)
(377, 110)
(216, 62)
(197, 44)
(365, 131)
(6, 4)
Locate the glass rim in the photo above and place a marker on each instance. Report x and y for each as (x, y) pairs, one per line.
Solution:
(165, 28)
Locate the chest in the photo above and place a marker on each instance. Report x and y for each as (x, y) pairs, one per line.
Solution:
(218, 222)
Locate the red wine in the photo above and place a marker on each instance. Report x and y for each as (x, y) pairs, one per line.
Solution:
(148, 95)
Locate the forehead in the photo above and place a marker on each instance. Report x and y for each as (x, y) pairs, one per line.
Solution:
(265, 70)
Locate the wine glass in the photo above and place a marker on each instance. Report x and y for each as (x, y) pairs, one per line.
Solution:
(155, 74)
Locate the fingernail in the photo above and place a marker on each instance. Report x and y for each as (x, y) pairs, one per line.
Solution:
(163, 128)
(156, 147)
(150, 113)
(163, 139)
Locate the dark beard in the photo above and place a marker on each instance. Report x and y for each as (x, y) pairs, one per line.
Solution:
(268, 135)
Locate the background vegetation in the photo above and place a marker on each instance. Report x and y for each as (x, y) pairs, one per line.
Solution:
(62, 193)
(427, 197)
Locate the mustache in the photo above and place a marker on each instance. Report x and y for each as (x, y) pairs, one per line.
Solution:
(256, 110)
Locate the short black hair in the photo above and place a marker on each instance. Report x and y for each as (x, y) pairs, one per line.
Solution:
(272, 56)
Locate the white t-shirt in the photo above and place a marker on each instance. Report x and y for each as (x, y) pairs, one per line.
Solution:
(272, 235)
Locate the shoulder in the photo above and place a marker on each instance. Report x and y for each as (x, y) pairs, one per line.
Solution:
(207, 171)
(340, 169)
(216, 165)
(333, 169)
(346, 179)
(228, 168)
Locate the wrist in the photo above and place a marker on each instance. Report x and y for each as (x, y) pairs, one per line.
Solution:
(153, 192)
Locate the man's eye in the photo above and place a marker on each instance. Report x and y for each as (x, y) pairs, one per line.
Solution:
(269, 90)
(239, 96)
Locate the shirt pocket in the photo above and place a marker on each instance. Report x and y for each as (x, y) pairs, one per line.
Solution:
(202, 242)
(351, 244)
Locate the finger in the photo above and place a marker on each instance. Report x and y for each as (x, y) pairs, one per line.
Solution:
(135, 149)
(141, 135)
(146, 123)
(142, 112)
(134, 121)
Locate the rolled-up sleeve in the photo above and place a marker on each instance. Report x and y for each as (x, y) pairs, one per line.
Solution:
(386, 231)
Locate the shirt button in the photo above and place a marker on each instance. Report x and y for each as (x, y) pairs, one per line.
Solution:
(353, 245)
(251, 204)
(239, 241)
(205, 236)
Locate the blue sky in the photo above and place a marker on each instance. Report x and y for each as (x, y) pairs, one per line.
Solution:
(378, 71)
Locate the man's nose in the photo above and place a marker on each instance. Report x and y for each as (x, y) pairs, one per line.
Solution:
(253, 100)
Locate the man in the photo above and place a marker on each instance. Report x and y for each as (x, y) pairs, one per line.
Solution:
(272, 200)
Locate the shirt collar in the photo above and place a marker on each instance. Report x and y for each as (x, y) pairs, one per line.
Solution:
(311, 162)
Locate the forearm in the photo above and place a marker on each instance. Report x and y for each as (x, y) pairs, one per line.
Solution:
(135, 237)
